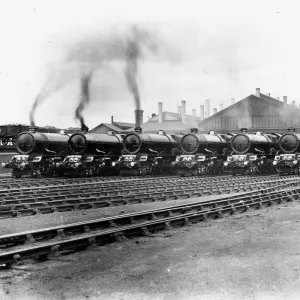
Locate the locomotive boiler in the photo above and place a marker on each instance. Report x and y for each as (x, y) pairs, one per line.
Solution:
(92, 154)
(203, 153)
(148, 153)
(288, 160)
(253, 153)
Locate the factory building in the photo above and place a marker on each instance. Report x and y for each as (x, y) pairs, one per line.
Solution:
(114, 127)
(170, 122)
(257, 112)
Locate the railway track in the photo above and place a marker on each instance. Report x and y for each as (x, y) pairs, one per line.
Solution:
(14, 203)
(40, 244)
(10, 183)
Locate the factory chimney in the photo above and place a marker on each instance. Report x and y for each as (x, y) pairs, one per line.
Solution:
(268, 94)
(183, 111)
(232, 101)
(257, 94)
(179, 112)
(194, 115)
(160, 112)
(112, 119)
(277, 98)
(138, 118)
(207, 108)
(285, 99)
(221, 106)
(215, 110)
(202, 112)
(294, 103)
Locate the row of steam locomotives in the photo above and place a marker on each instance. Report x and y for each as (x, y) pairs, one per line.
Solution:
(138, 153)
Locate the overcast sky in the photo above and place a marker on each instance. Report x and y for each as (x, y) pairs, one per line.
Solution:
(207, 49)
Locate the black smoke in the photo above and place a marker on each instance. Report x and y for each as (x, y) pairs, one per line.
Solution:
(84, 98)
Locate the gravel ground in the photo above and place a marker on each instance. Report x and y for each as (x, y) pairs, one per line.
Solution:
(13, 225)
(255, 255)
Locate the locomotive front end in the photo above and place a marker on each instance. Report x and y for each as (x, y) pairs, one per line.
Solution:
(289, 161)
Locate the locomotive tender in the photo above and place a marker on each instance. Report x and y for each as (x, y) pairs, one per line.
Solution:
(148, 153)
(253, 153)
(203, 153)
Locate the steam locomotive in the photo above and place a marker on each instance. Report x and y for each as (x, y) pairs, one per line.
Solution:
(203, 153)
(254, 153)
(92, 154)
(287, 160)
(40, 153)
(138, 153)
(148, 153)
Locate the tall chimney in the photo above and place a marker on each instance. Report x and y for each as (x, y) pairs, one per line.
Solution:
(202, 112)
(160, 112)
(183, 111)
(277, 98)
(138, 117)
(215, 110)
(294, 103)
(207, 108)
(221, 106)
(179, 112)
(257, 94)
(285, 99)
(112, 119)
(268, 94)
(232, 101)
(194, 115)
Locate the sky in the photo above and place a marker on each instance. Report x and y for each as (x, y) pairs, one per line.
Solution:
(214, 50)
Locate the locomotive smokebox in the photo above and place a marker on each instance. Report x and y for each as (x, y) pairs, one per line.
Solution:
(138, 117)
(290, 142)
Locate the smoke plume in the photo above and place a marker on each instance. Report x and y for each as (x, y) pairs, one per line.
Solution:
(84, 99)
(108, 50)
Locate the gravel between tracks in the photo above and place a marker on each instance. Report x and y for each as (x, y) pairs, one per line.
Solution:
(254, 255)
(14, 225)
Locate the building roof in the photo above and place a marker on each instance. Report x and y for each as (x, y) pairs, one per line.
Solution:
(268, 99)
(124, 124)
(168, 126)
(108, 125)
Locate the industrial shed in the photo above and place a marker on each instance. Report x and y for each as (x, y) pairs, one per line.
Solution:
(257, 112)
(114, 127)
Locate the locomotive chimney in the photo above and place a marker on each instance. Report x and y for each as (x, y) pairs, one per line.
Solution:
(183, 111)
(84, 129)
(232, 101)
(221, 106)
(32, 128)
(202, 112)
(207, 108)
(112, 119)
(179, 112)
(138, 118)
(194, 115)
(215, 110)
(160, 112)
(257, 94)
(285, 99)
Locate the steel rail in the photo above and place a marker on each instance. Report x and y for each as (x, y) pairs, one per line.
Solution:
(116, 228)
